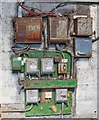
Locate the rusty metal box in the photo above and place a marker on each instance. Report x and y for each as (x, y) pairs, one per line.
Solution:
(83, 26)
(28, 30)
(58, 29)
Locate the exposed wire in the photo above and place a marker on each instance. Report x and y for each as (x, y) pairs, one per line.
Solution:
(15, 110)
(33, 8)
(74, 69)
(35, 13)
(21, 49)
(18, 50)
(24, 8)
(60, 47)
(62, 4)
(70, 22)
(26, 110)
(95, 39)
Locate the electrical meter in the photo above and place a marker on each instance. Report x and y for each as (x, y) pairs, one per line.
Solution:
(47, 65)
(32, 96)
(31, 66)
(83, 26)
(61, 95)
(83, 47)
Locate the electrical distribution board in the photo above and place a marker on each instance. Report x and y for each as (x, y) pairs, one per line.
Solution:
(48, 76)
(83, 26)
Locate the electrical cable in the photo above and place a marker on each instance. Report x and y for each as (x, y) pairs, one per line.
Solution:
(16, 50)
(95, 40)
(21, 49)
(41, 13)
(33, 8)
(29, 11)
(26, 110)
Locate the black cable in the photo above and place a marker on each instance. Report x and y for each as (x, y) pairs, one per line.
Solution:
(62, 4)
(33, 8)
(95, 39)
(60, 47)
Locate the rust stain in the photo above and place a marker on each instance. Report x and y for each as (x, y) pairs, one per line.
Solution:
(28, 30)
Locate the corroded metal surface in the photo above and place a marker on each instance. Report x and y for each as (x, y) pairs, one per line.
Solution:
(58, 29)
(28, 30)
(83, 26)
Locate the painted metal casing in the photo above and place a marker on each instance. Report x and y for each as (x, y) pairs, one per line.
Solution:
(28, 30)
(83, 26)
(83, 47)
(32, 96)
(58, 29)
(31, 66)
(47, 65)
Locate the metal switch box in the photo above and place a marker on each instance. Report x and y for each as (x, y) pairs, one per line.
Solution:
(83, 26)
(32, 96)
(61, 95)
(58, 29)
(28, 30)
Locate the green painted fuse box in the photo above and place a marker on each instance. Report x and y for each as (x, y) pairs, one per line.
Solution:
(16, 63)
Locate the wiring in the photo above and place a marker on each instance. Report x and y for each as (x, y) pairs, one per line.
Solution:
(29, 108)
(20, 49)
(70, 22)
(95, 39)
(62, 4)
(38, 12)
(15, 110)
(35, 13)
(60, 47)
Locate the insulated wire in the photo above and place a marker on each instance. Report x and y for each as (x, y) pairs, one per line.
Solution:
(95, 39)
(26, 110)
(35, 13)
(15, 110)
(41, 13)
(13, 47)
(62, 4)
